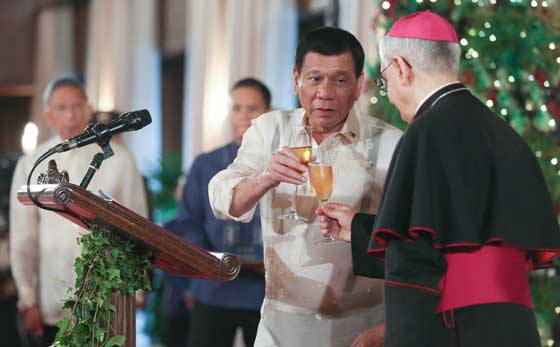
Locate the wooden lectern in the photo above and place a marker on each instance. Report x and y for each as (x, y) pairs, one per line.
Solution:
(173, 254)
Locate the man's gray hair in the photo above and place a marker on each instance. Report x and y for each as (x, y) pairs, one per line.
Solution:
(429, 56)
(66, 81)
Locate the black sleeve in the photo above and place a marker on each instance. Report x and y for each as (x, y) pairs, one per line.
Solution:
(363, 263)
(412, 273)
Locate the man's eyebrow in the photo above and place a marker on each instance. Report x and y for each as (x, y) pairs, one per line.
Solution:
(312, 71)
(337, 72)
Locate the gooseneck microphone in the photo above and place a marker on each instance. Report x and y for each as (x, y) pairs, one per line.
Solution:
(99, 132)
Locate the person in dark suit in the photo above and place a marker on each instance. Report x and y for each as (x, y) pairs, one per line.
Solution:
(225, 306)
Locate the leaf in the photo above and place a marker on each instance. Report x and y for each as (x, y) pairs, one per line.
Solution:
(68, 304)
(63, 324)
(115, 341)
(114, 274)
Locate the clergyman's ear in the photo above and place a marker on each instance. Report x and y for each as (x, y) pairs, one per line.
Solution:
(405, 72)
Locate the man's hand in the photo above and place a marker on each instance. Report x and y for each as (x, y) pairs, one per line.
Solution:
(370, 338)
(141, 298)
(336, 220)
(285, 166)
(32, 320)
(187, 299)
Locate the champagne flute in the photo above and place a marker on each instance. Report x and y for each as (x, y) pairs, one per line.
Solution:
(300, 143)
(321, 177)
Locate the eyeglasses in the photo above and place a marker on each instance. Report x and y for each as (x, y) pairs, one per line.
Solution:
(380, 81)
(64, 107)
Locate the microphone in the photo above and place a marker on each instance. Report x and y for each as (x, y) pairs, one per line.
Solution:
(97, 132)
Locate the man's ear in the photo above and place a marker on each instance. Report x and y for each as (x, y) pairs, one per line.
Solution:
(295, 77)
(359, 86)
(405, 73)
(48, 116)
(89, 111)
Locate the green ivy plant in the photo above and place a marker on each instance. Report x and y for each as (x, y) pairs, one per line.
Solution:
(108, 264)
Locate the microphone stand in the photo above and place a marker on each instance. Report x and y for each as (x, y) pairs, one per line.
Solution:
(97, 160)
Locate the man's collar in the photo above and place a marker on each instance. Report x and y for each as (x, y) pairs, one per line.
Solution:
(428, 100)
(350, 129)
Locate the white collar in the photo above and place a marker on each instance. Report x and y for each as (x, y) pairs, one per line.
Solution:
(430, 94)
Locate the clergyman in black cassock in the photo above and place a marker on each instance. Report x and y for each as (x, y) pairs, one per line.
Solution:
(465, 212)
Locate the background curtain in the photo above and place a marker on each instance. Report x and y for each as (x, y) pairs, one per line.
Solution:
(54, 57)
(226, 41)
(123, 68)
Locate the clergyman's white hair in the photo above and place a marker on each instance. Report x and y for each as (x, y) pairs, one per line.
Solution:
(429, 56)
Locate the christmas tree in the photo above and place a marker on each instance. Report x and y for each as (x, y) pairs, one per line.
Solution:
(511, 61)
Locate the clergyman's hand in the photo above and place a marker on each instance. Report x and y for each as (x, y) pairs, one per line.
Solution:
(370, 338)
(336, 220)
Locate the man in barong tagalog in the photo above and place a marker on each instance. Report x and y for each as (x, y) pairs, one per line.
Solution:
(465, 212)
(312, 298)
(43, 244)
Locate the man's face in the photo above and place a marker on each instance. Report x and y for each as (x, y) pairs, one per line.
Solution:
(327, 88)
(247, 104)
(391, 84)
(68, 112)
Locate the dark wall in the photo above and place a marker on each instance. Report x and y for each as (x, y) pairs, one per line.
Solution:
(14, 114)
(17, 25)
(173, 71)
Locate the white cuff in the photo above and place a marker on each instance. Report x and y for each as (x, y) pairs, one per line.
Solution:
(26, 297)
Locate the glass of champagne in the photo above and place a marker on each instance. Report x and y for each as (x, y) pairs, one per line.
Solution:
(300, 143)
(321, 177)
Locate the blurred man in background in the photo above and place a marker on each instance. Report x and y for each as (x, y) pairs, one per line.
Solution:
(227, 305)
(43, 244)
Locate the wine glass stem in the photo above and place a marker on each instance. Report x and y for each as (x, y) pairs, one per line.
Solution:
(327, 238)
(293, 209)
